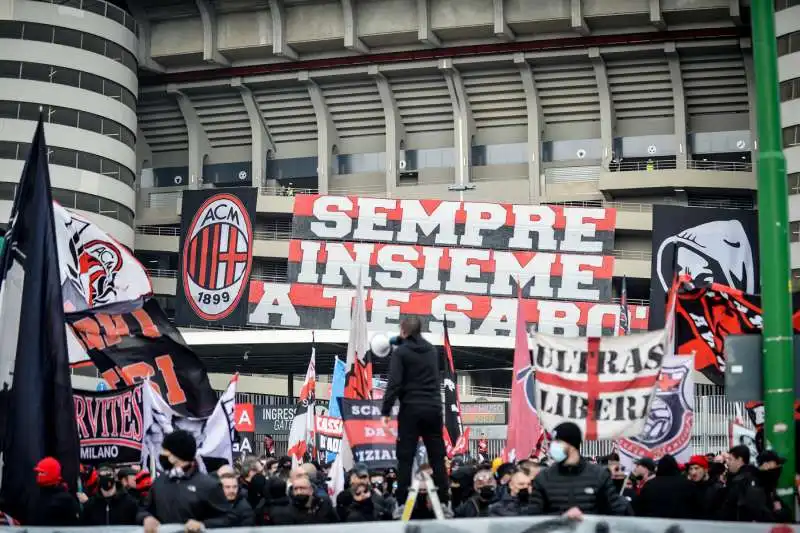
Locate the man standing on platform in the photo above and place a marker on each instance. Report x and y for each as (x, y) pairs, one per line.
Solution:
(414, 380)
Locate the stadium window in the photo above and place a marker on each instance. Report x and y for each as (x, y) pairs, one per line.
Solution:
(7, 190)
(795, 279)
(791, 136)
(789, 43)
(794, 231)
(793, 180)
(785, 4)
(790, 89)
(10, 69)
(72, 159)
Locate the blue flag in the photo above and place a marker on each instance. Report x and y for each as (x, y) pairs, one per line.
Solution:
(337, 387)
(37, 417)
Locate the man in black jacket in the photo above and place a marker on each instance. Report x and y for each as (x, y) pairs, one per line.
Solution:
(484, 495)
(58, 506)
(770, 465)
(182, 494)
(518, 500)
(572, 485)
(241, 508)
(111, 506)
(307, 508)
(743, 499)
(707, 489)
(414, 380)
(669, 494)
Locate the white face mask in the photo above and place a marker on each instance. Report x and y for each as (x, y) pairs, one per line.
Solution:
(557, 452)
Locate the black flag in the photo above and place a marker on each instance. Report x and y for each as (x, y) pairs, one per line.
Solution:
(455, 438)
(37, 417)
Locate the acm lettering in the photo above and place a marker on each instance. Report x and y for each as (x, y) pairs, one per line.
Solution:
(221, 212)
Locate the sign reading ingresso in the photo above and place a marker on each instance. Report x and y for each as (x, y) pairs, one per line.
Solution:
(484, 413)
(274, 419)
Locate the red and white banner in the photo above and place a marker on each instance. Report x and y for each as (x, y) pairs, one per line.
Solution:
(448, 223)
(603, 384)
(455, 270)
(668, 429)
(320, 307)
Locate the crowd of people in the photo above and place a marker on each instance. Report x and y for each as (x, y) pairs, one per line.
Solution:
(270, 491)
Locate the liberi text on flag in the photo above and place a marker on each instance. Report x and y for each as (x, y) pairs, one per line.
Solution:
(590, 380)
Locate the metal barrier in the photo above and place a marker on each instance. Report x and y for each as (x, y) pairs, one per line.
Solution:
(530, 524)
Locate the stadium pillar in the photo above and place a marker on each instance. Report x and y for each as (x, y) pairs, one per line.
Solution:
(778, 360)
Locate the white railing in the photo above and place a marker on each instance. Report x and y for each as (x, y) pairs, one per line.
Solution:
(278, 190)
(641, 255)
(164, 231)
(162, 273)
(100, 8)
(276, 233)
(633, 301)
(672, 164)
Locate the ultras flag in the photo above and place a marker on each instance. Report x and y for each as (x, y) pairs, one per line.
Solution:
(301, 434)
(456, 439)
(523, 423)
(37, 417)
(358, 384)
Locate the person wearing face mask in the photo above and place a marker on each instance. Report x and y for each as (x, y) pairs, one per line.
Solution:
(572, 486)
(111, 506)
(770, 465)
(484, 494)
(252, 481)
(518, 500)
(362, 508)
(182, 494)
(307, 508)
(461, 485)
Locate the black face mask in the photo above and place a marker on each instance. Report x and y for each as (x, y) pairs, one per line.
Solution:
(486, 493)
(300, 500)
(523, 495)
(163, 460)
(105, 482)
(769, 478)
(456, 494)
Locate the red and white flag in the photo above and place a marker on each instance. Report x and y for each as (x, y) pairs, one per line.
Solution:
(301, 433)
(358, 365)
(523, 423)
(605, 385)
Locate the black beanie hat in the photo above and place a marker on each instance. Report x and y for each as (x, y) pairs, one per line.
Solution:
(182, 445)
(570, 433)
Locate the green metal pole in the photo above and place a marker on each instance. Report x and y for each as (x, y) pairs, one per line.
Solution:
(774, 243)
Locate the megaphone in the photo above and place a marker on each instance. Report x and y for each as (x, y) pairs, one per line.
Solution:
(381, 345)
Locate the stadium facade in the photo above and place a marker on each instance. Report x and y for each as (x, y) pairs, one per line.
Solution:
(605, 103)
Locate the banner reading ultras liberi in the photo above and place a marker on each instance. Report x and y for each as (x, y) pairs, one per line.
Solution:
(425, 257)
(216, 256)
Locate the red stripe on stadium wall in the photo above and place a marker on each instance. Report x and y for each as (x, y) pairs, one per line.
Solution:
(420, 303)
(350, 205)
(487, 266)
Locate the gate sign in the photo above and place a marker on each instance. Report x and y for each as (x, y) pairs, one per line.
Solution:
(216, 256)
(274, 419)
(244, 417)
(110, 425)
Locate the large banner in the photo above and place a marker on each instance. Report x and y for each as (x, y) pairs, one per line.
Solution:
(424, 257)
(216, 256)
(319, 307)
(110, 425)
(668, 429)
(710, 245)
(604, 385)
(371, 442)
(131, 347)
(329, 436)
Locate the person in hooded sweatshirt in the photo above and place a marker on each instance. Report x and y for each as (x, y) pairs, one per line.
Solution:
(669, 494)
(182, 494)
(770, 465)
(58, 506)
(414, 381)
(743, 498)
(112, 505)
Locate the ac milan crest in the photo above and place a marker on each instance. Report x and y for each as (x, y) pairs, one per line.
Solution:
(217, 256)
